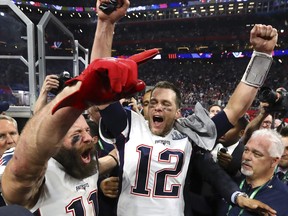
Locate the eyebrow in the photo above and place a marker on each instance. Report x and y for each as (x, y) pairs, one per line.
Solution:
(161, 101)
(253, 150)
(256, 151)
(76, 130)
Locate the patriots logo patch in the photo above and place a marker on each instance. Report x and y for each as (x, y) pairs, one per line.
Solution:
(164, 142)
(82, 186)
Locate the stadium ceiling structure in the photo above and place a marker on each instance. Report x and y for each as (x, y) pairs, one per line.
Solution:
(83, 3)
(91, 3)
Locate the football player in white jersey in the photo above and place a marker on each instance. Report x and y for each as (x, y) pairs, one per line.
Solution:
(156, 156)
(54, 169)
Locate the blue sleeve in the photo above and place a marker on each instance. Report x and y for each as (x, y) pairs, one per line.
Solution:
(114, 120)
(222, 123)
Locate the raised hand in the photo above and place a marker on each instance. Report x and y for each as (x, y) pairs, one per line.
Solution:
(263, 38)
(50, 82)
(114, 16)
(104, 81)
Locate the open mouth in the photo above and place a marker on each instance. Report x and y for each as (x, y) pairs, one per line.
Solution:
(245, 165)
(157, 119)
(86, 156)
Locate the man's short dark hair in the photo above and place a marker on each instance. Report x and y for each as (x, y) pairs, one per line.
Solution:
(168, 85)
(284, 131)
(213, 106)
(94, 128)
(243, 121)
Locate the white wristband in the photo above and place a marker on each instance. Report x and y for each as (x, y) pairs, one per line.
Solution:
(257, 69)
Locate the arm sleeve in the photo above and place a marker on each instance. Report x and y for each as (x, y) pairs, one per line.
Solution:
(114, 120)
(215, 175)
(234, 167)
(222, 123)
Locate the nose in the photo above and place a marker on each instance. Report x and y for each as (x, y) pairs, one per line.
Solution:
(246, 155)
(87, 137)
(9, 139)
(158, 106)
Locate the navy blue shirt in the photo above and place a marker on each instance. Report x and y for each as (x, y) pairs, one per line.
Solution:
(274, 194)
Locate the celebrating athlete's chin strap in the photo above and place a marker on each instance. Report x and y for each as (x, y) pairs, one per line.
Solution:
(199, 128)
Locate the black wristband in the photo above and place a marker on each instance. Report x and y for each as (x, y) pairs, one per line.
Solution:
(117, 163)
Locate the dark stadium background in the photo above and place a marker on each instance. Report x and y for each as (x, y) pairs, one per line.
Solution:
(204, 47)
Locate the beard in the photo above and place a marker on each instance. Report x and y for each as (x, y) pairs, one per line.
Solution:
(247, 172)
(244, 170)
(283, 163)
(73, 165)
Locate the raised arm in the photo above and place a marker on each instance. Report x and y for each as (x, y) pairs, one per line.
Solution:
(102, 44)
(38, 142)
(50, 82)
(104, 81)
(263, 39)
(254, 124)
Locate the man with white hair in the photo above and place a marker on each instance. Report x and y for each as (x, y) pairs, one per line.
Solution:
(261, 156)
(8, 133)
(8, 137)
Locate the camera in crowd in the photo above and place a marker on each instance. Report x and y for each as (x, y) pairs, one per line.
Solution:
(126, 105)
(223, 150)
(277, 100)
(62, 78)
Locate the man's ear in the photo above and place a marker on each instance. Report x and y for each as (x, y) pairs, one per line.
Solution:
(95, 139)
(178, 114)
(275, 162)
(241, 133)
